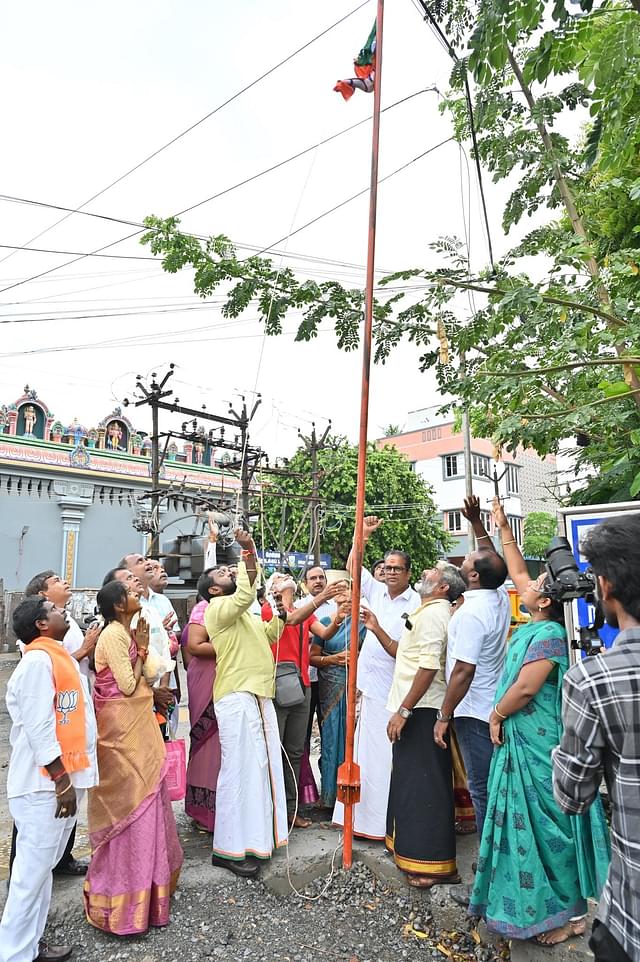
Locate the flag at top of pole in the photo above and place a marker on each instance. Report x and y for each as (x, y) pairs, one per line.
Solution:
(365, 70)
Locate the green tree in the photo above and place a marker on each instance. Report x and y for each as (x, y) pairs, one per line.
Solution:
(391, 430)
(539, 528)
(393, 491)
(550, 347)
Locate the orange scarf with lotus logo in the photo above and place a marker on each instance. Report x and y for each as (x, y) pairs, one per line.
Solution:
(68, 704)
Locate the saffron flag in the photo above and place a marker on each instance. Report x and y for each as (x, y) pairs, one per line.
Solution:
(365, 70)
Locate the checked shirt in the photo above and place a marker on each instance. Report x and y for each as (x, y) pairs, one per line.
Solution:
(601, 714)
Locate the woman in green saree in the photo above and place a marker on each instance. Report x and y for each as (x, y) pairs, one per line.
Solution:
(536, 866)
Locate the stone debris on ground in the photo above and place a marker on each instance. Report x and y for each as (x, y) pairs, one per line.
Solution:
(355, 918)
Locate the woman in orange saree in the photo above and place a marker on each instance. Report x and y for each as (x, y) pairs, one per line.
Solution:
(136, 856)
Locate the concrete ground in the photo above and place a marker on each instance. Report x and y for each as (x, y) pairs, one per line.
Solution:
(359, 917)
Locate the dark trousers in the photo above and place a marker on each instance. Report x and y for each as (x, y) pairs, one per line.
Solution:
(477, 750)
(67, 855)
(604, 947)
(292, 725)
(314, 708)
(421, 811)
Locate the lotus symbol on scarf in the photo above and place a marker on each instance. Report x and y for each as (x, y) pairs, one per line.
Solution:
(67, 702)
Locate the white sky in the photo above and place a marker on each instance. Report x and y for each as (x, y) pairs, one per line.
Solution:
(90, 90)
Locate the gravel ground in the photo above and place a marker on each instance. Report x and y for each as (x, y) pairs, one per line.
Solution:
(357, 919)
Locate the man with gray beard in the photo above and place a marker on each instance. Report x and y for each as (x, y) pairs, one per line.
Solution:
(421, 811)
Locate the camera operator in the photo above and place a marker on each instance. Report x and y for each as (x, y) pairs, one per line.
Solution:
(601, 712)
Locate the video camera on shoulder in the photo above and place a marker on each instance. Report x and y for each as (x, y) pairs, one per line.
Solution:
(565, 583)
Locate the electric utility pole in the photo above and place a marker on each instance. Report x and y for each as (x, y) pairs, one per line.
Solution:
(312, 446)
(154, 395)
(249, 460)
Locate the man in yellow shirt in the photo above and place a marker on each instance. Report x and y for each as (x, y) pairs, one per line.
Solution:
(420, 811)
(251, 810)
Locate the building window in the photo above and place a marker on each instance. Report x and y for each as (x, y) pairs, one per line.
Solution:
(452, 465)
(512, 479)
(486, 518)
(516, 526)
(480, 466)
(453, 520)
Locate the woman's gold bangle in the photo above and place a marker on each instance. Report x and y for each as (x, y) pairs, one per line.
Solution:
(505, 543)
(499, 713)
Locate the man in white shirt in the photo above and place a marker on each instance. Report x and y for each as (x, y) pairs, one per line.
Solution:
(389, 601)
(475, 659)
(50, 586)
(80, 646)
(158, 581)
(420, 813)
(43, 805)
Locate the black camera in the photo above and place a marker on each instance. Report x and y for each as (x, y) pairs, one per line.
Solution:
(565, 583)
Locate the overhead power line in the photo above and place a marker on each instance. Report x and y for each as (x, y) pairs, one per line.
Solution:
(188, 130)
(348, 200)
(43, 250)
(449, 49)
(280, 240)
(227, 190)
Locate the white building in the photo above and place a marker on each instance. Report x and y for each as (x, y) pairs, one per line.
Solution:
(525, 481)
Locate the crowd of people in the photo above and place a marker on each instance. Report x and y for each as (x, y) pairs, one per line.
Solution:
(462, 723)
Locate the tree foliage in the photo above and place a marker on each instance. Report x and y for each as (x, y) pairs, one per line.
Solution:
(549, 345)
(393, 491)
(539, 528)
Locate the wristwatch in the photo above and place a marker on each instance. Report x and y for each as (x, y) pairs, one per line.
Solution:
(404, 712)
(443, 718)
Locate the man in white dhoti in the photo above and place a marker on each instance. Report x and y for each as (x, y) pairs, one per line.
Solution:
(389, 601)
(251, 809)
(53, 762)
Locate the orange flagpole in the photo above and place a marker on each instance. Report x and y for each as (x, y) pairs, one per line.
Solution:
(349, 771)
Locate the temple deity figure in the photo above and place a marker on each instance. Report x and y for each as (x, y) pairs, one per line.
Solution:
(29, 419)
(115, 436)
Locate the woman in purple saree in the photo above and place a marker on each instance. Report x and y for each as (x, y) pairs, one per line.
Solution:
(204, 752)
(135, 852)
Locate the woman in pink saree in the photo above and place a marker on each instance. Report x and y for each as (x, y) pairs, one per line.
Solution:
(204, 751)
(135, 852)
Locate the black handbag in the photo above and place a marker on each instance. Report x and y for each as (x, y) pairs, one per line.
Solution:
(290, 690)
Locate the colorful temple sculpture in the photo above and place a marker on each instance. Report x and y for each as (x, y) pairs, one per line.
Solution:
(74, 497)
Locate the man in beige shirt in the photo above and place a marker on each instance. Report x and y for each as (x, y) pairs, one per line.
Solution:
(420, 811)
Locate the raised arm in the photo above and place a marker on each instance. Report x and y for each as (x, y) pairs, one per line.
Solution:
(514, 560)
(471, 512)
(298, 615)
(326, 632)
(210, 555)
(370, 524)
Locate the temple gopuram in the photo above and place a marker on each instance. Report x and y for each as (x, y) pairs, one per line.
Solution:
(72, 497)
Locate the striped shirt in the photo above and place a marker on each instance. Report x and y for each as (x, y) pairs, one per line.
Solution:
(601, 713)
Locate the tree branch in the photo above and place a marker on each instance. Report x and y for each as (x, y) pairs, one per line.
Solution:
(566, 194)
(560, 367)
(548, 298)
(579, 407)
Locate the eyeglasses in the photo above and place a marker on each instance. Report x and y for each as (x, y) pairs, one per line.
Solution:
(393, 569)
